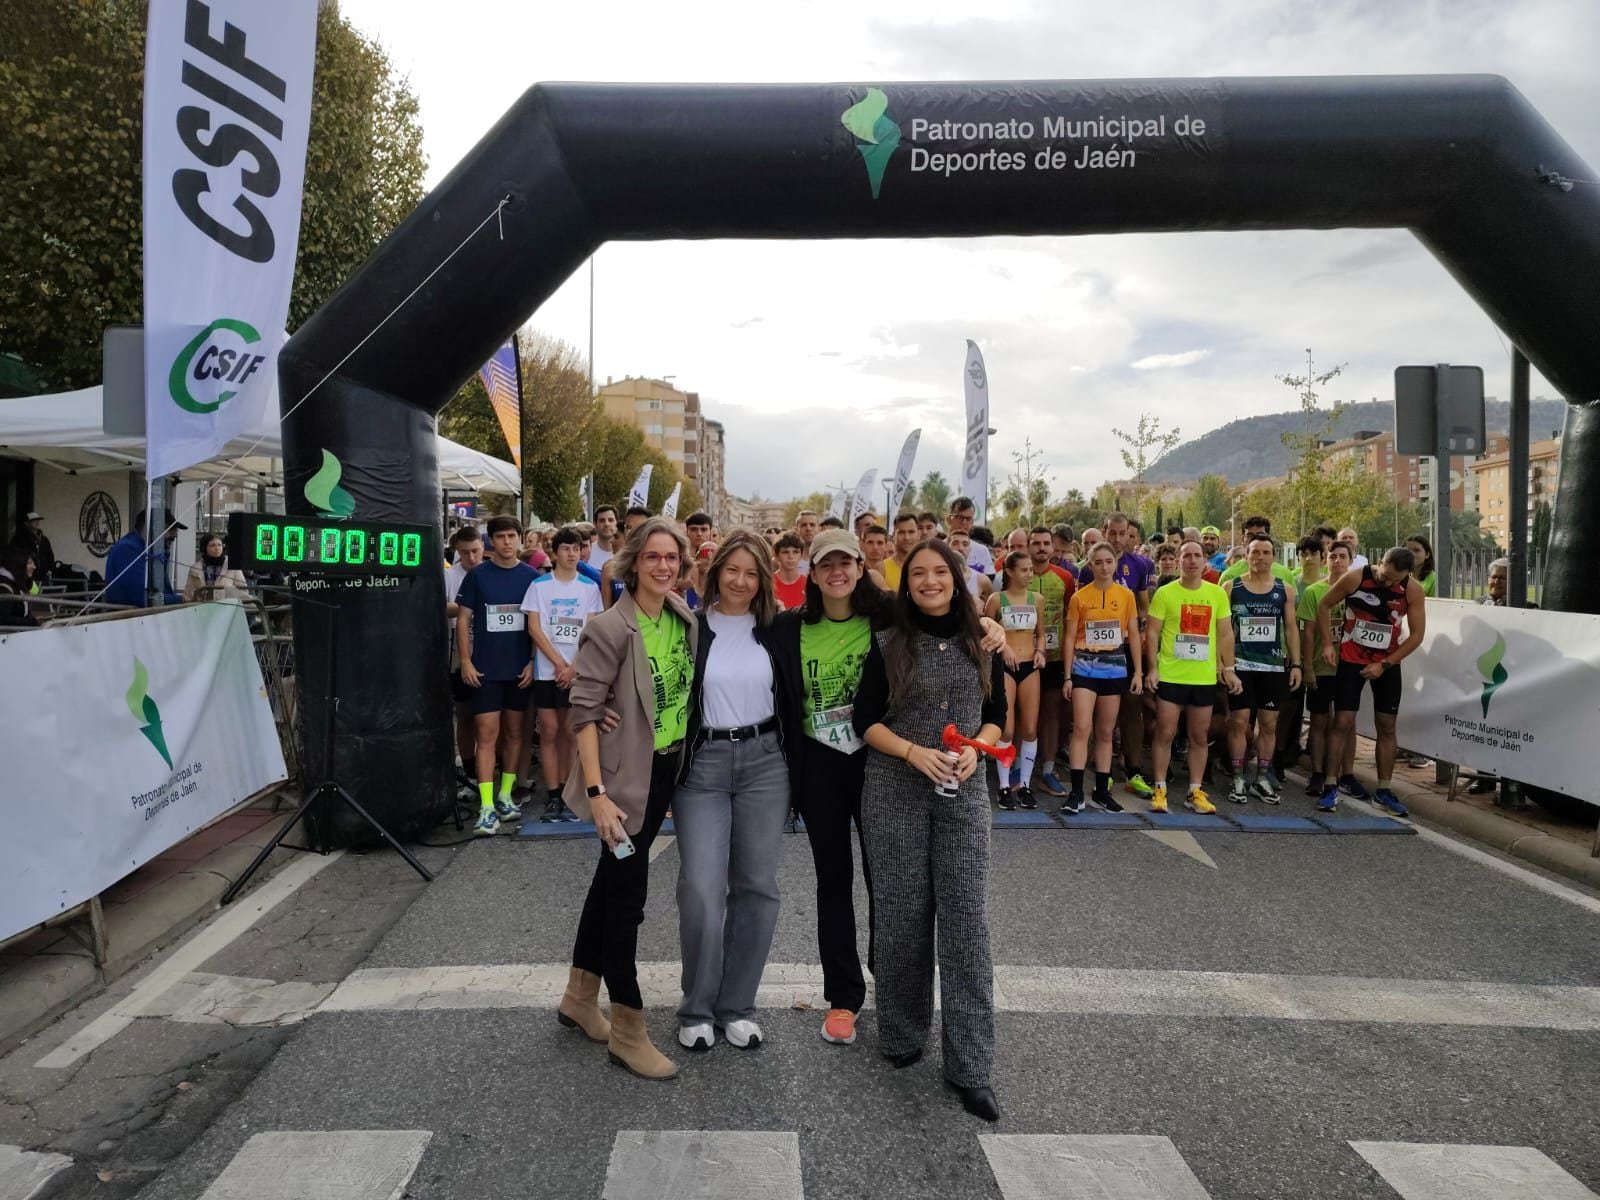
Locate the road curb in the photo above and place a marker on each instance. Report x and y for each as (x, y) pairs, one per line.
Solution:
(1512, 837)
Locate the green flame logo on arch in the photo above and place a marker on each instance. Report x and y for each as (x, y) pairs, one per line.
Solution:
(877, 136)
(145, 711)
(324, 492)
(1493, 672)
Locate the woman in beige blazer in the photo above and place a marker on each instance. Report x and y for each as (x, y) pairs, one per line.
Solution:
(636, 659)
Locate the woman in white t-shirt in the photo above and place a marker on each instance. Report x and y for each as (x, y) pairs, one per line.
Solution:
(732, 800)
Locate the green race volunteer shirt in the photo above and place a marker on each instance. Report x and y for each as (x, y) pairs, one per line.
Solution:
(831, 656)
(666, 645)
(1189, 620)
(1242, 567)
(1306, 610)
(1052, 593)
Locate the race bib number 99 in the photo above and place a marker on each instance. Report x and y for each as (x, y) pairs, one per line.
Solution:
(503, 618)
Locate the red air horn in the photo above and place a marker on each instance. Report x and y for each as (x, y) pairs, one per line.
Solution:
(954, 741)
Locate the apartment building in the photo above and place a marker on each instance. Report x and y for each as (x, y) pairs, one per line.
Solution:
(1492, 474)
(1408, 476)
(672, 421)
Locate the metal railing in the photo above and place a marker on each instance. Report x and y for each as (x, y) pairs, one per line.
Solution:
(1469, 575)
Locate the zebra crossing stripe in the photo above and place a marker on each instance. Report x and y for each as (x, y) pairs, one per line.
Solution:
(350, 1164)
(23, 1173)
(708, 1164)
(1034, 989)
(1446, 1172)
(1105, 1166)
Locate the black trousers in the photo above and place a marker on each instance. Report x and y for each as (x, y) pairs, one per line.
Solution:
(829, 799)
(608, 931)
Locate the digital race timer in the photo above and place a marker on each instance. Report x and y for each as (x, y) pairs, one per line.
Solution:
(323, 546)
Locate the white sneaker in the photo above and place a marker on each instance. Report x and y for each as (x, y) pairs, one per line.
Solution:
(744, 1034)
(696, 1037)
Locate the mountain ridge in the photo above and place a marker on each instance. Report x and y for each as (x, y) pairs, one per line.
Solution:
(1252, 448)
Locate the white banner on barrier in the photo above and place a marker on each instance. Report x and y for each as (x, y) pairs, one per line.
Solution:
(135, 734)
(1515, 691)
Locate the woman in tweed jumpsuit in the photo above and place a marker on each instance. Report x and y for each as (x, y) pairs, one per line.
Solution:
(929, 853)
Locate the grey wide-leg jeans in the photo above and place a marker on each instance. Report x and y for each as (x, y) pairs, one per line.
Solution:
(729, 816)
(930, 873)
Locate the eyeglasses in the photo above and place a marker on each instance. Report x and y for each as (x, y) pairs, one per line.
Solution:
(652, 558)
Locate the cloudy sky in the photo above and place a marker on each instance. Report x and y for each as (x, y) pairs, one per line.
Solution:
(820, 356)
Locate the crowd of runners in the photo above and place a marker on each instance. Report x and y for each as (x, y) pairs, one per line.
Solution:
(735, 678)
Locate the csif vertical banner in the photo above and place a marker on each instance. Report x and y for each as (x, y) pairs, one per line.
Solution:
(902, 474)
(639, 493)
(861, 502)
(502, 379)
(227, 111)
(975, 462)
(586, 491)
(669, 510)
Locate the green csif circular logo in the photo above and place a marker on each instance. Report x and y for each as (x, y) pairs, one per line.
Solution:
(209, 371)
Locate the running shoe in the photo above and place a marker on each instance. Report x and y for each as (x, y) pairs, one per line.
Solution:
(1316, 784)
(744, 1034)
(1330, 799)
(487, 825)
(1158, 802)
(1238, 793)
(1137, 785)
(552, 810)
(1105, 800)
(1005, 801)
(1049, 784)
(1024, 795)
(1390, 803)
(1199, 802)
(839, 1027)
(1267, 787)
(1073, 804)
(1351, 786)
(507, 809)
(567, 814)
(698, 1038)
(1418, 761)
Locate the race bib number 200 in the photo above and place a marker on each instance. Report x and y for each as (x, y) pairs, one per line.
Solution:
(1373, 635)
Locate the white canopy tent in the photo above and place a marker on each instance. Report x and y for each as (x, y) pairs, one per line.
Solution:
(65, 431)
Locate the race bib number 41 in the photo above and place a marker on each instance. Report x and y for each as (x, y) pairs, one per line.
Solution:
(835, 727)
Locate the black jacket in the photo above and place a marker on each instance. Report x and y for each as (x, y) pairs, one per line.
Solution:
(785, 689)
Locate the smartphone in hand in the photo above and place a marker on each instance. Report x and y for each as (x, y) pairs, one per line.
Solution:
(624, 848)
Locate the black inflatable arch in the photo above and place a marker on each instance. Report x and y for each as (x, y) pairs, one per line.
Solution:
(1464, 162)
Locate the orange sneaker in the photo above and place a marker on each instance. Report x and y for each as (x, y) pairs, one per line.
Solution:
(839, 1027)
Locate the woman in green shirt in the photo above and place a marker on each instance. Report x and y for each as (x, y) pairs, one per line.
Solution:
(636, 658)
(1424, 574)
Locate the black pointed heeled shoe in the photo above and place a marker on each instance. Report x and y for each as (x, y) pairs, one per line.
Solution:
(900, 1061)
(979, 1101)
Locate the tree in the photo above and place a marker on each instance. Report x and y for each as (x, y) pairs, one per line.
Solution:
(934, 494)
(1074, 496)
(817, 502)
(1308, 478)
(1539, 539)
(1210, 503)
(1468, 536)
(71, 145)
(1106, 499)
(1143, 449)
(557, 411)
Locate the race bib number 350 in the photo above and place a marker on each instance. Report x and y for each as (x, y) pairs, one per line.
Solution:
(1102, 635)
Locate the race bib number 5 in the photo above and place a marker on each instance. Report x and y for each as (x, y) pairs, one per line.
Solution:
(1191, 647)
(503, 618)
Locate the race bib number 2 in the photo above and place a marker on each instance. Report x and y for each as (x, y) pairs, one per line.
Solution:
(503, 618)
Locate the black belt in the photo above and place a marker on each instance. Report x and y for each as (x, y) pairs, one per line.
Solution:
(743, 733)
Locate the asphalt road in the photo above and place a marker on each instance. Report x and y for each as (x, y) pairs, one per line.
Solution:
(1167, 1026)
